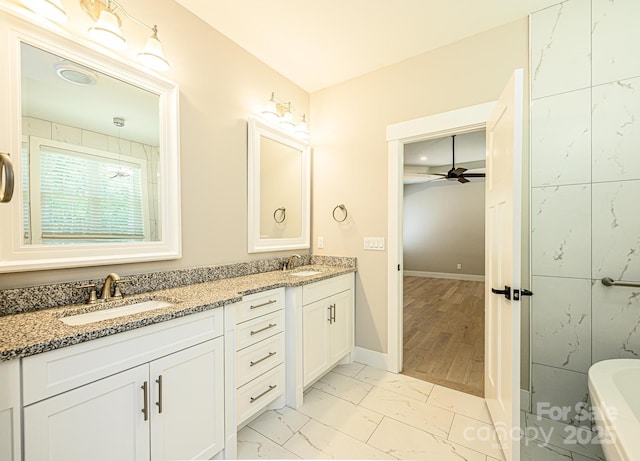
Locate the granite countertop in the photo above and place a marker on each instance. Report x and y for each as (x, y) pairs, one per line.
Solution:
(30, 333)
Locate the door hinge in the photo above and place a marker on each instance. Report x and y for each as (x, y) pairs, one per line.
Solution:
(398, 267)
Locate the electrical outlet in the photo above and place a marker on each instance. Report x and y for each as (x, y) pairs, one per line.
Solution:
(459, 266)
(320, 243)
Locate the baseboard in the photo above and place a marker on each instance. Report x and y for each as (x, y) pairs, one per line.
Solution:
(372, 358)
(525, 400)
(445, 275)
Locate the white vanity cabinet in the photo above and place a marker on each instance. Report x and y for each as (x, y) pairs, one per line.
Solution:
(10, 411)
(152, 393)
(320, 323)
(255, 341)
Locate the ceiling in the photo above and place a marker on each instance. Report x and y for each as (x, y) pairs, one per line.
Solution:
(48, 97)
(317, 44)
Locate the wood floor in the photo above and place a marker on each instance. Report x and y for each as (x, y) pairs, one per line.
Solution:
(444, 332)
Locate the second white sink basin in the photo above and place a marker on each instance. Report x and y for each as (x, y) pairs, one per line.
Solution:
(305, 273)
(115, 312)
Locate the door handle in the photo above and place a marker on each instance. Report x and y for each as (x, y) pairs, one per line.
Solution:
(506, 292)
(145, 405)
(159, 402)
(6, 171)
(521, 292)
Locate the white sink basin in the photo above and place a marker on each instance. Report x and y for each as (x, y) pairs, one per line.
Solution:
(305, 273)
(613, 386)
(104, 314)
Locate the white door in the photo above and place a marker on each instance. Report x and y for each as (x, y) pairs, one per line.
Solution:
(104, 419)
(502, 311)
(187, 403)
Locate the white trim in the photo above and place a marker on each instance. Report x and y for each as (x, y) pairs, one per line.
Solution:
(371, 358)
(445, 275)
(525, 401)
(463, 120)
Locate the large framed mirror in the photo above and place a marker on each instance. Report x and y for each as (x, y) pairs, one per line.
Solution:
(278, 189)
(94, 144)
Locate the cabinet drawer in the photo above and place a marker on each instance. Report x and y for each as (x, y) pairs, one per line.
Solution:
(258, 304)
(252, 331)
(60, 370)
(253, 396)
(319, 290)
(254, 360)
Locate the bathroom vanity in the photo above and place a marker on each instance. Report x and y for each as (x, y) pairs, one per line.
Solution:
(176, 382)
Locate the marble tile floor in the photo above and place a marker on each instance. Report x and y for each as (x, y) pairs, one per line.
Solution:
(360, 412)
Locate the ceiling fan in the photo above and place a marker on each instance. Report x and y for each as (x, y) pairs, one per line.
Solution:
(456, 174)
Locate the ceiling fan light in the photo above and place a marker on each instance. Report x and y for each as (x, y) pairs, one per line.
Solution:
(49, 9)
(106, 31)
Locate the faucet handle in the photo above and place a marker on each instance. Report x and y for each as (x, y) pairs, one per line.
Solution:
(116, 291)
(93, 297)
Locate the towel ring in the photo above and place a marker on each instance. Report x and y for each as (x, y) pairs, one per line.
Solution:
(344, 209)
(283, 214)
(6, 171)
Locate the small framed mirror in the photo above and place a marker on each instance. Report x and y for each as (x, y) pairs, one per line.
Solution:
(278, 189)
(94, 144)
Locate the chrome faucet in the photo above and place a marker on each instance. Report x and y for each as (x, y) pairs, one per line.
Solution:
(289, 262)
(112, 279)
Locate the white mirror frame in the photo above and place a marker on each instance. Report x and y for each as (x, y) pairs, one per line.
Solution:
(258, 129)
(14, 255)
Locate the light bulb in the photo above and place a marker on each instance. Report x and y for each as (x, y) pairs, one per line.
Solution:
(50, 9)
(152, 55)
(106, 31)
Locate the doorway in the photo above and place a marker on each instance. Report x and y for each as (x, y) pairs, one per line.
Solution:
(457, 122)
(444, 261)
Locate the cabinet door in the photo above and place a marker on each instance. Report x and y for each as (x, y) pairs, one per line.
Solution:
(315, 337)
(341, 329)
(10, 411)
(101, 421)
(187, 403)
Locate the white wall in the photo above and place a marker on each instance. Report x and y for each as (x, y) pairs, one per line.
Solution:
(220, 86)
(444, 226)
(348, 126)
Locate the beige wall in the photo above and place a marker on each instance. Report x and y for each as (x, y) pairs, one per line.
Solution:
(220, 86)
(348, 128)
(444, 226)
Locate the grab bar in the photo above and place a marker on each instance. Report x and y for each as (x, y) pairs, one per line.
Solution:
(609, 282)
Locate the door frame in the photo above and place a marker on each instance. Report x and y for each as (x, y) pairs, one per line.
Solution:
(464, 120)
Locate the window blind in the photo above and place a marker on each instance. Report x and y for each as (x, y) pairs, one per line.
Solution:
(89, 198)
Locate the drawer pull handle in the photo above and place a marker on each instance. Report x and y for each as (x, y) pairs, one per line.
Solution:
(271, 325)
(264, 304)
(145, 397)
(159, 402)
(272, 387)
(270, 354)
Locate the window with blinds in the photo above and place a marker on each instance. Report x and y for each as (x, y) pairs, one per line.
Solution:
(81, 195)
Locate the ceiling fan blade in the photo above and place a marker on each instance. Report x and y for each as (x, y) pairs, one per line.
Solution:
(431, 174)
(462, 179)
(459, 171)
(474, 175)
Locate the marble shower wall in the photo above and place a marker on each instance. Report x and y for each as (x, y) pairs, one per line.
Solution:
(585, 177)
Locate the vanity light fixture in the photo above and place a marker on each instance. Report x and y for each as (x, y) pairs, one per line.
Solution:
(281, 113)
(106, 31)
(49, 9)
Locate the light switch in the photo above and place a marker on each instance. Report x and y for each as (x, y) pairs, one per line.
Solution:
(374, 243)
(320, 242)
